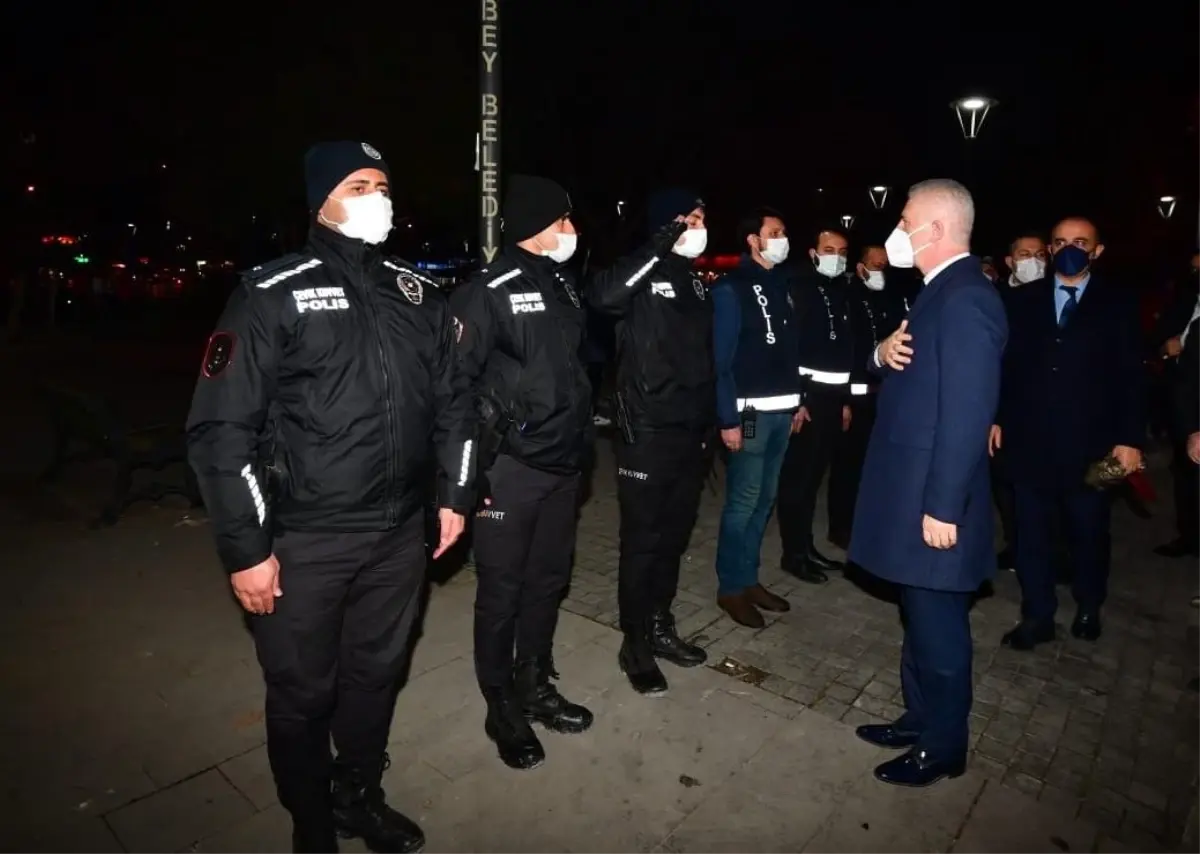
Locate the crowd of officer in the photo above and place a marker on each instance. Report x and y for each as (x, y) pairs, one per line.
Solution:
(340, 379)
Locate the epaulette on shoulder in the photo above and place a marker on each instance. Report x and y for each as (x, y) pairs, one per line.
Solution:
(495, 275)
(272, 272)
(402, 266)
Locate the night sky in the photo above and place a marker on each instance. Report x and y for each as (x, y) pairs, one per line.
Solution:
(751, 103)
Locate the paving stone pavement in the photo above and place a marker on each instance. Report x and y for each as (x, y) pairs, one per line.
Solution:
(132, 714)
(1106, 731)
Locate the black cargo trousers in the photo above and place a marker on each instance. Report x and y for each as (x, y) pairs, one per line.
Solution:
(524, 541)
(660, 478)
(333, 652)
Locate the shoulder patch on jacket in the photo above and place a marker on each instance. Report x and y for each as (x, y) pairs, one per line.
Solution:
(266, 275)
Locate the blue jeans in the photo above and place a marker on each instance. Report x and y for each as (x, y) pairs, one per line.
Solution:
(751, 480)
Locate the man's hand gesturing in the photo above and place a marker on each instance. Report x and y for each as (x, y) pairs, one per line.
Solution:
(894, 351)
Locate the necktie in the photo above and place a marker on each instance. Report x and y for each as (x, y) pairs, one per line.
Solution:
(1069, 306)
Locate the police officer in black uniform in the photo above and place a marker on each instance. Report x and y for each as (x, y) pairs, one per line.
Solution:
(666, 411)
(826, 355)
(310, 432)
(523, 324)
(876, 309)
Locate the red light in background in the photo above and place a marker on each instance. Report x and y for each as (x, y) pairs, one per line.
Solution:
(118, 266)
(143, 260)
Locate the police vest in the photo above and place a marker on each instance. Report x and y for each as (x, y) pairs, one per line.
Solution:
(765, 365)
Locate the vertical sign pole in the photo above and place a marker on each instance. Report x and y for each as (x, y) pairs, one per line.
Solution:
(488, 155)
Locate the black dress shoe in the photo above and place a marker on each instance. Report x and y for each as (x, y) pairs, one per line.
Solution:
(636, 660)
(1086, 625)
(818, 560)
(1179, 547)
(542, 703)
(887, 735)
(917, 770)
(666, 643)
(359, 811)
(506, 725)
(1027, 634)
(1006, 561)
(804, 570)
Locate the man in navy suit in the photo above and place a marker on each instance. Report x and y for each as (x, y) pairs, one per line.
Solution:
(1073, 393)
(923, 519)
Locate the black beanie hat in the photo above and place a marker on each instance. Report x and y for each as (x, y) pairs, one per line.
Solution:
(531, 204)
(665, 205)
(328, 163)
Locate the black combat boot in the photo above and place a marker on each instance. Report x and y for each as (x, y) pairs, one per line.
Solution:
(541, 701)
(669, 646)
(359, 810)
(506, 726)
(636, 660)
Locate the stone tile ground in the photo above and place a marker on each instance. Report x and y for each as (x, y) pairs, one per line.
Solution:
(1106, 731)
(132, 714)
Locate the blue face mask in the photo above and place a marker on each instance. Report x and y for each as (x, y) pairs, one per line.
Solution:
(1071, 260)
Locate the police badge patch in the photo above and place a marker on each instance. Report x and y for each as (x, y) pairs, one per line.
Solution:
(411, 288)
(218, 354)
(698, 287)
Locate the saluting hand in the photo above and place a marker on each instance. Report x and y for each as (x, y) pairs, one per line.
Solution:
(938, 535)
(894, 351)
(258, 586)
(451, 526)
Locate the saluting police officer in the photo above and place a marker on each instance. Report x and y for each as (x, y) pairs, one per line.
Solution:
(876, 309)
(310, 433)
(522, 328)
(666, 410)
(826, 355)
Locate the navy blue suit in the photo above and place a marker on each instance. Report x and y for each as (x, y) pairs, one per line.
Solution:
(928, 456)
(1068, 396)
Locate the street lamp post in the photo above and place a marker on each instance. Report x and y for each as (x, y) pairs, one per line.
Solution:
(972, 112)
(847, 221)
(878, 195)
(1166, 206)
(488, 140)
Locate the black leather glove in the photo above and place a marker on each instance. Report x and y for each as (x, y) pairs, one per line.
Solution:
(664, 239)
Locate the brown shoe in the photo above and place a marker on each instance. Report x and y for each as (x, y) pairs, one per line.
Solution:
(741, 610)
(765, 599)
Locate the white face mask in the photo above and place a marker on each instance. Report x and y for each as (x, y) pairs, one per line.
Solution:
(831, 265)
(1030, 270)
(899, 247)
(565, 249)
(368, 218)
(775, 250)
(692, 244)
(874, 280)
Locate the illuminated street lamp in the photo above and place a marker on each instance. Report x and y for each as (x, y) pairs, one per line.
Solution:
(878, 194)
(30, 188)
(620, 205)
(847, 221)
(1166, 207)
(971, 112)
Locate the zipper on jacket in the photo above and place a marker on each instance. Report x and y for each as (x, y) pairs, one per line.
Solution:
(389, 488)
